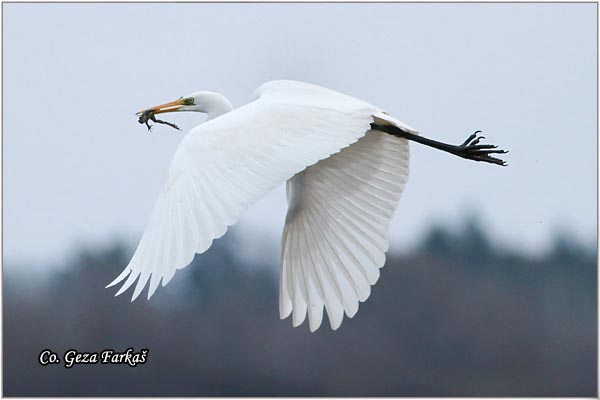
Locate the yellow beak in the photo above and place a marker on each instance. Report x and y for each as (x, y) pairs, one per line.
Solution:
(164, 108)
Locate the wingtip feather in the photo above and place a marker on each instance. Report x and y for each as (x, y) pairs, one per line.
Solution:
(119, 278)
(130, 280)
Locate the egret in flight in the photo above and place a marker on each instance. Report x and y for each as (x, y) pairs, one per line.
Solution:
(345, 163)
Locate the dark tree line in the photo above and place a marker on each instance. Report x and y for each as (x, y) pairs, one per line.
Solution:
(457, 317)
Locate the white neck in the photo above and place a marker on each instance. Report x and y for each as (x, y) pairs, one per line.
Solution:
(214, 104)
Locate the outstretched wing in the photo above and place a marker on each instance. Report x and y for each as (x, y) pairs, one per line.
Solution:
(336, 230)
(229, 162)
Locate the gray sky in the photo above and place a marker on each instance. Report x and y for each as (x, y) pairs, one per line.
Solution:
(78, 169)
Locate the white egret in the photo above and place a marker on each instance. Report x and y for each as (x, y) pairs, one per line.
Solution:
(345, 162)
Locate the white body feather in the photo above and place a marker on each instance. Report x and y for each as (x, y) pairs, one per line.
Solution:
(344, 181)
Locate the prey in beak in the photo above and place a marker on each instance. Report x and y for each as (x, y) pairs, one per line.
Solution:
(149, 114)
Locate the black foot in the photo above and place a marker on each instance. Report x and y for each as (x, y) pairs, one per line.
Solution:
(471, 150)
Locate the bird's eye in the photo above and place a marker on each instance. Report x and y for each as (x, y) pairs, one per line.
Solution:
(189, 101)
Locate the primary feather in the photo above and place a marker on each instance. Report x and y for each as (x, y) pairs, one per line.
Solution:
(344, 183)
(339, 212)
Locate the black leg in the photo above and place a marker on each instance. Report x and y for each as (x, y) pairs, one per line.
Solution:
(469, 149)
(149, 115)
(158, 121)
(144, 117)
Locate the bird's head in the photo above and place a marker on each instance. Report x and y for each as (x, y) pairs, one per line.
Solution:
(211, 103)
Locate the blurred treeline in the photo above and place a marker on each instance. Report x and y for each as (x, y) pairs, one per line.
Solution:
(457, 317)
